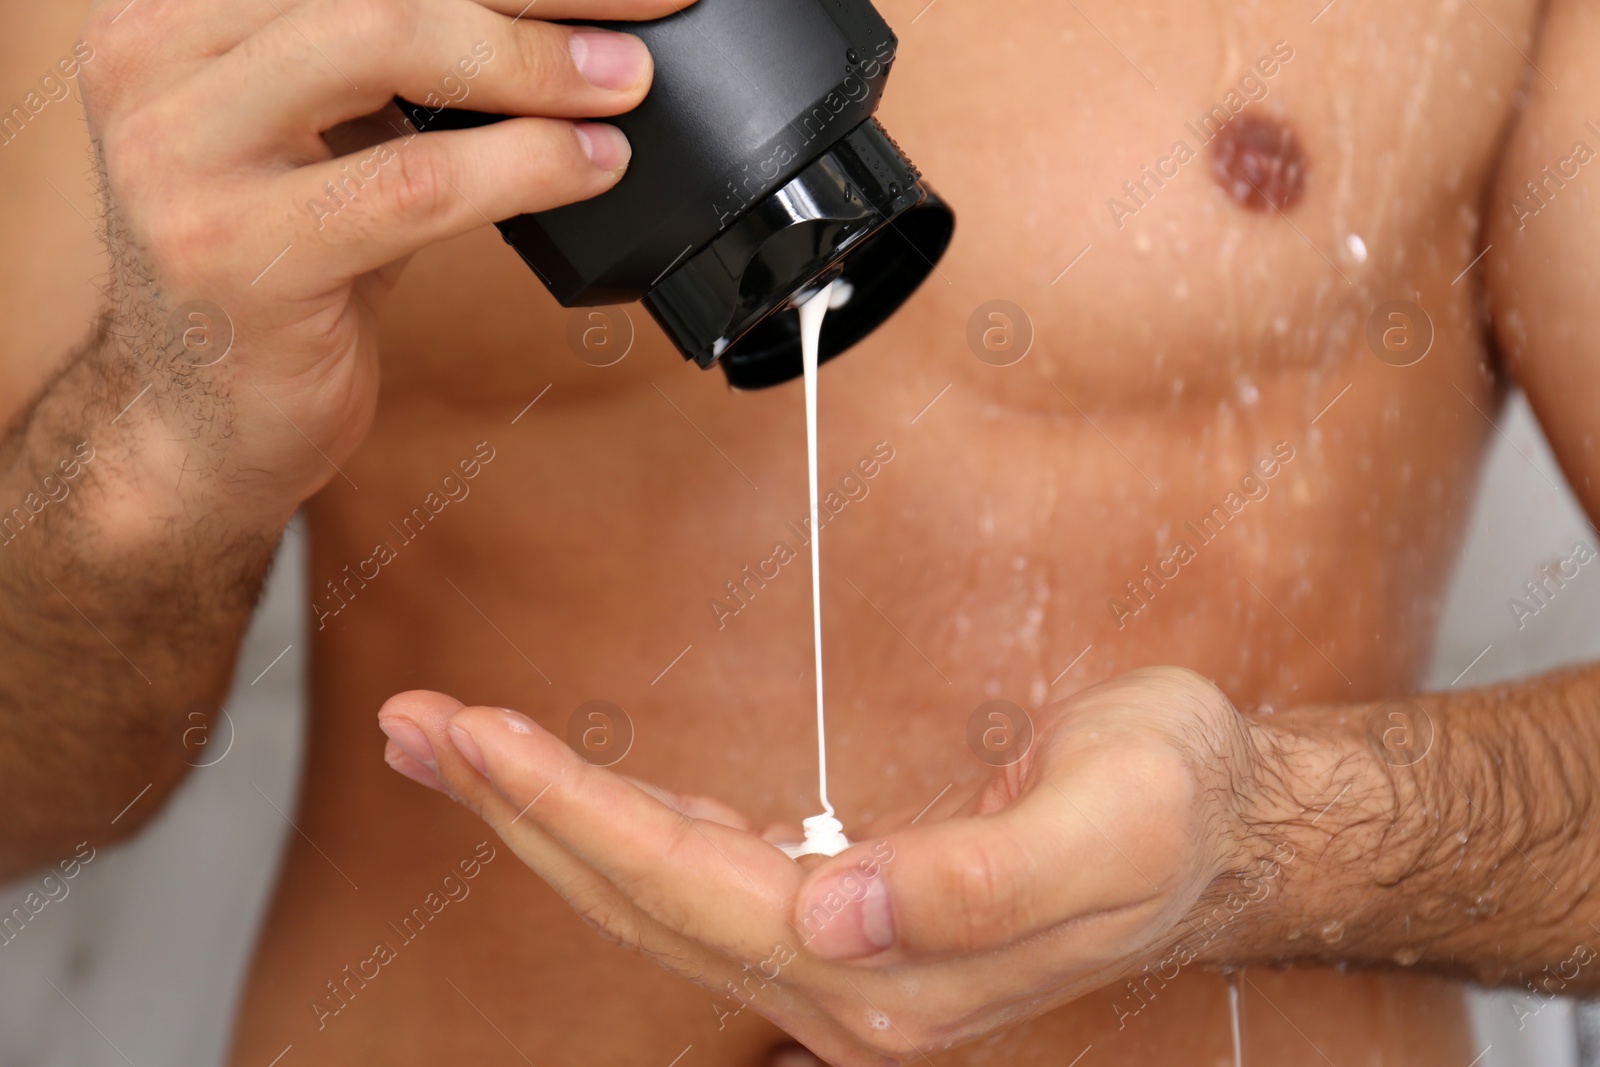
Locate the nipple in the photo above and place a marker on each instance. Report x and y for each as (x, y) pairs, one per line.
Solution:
(1259, 163)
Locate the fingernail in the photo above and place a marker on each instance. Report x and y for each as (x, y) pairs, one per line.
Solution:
(420, 773)
(412, 741)
(609, 60)
(606, 146)
(469, 749)
(877, 918)
(844, 922)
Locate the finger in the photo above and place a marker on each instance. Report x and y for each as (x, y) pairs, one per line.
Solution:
(1086, 847)
(418, 772)
(406, 194)
(709, 809)
(784, 833)
(723, 888)
(588, 10)
(331, 61)
(416, 722)
(682, 951)
(608, 911)
(399, 718)
(163, 42)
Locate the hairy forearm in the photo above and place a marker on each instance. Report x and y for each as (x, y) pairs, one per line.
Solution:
(127, 576)
(1454, 832)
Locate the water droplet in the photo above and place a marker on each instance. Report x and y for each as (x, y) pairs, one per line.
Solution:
(1332, 931)
(1407, 956)
(1357, 247)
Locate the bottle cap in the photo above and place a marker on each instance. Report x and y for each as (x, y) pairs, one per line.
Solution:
(859, 211)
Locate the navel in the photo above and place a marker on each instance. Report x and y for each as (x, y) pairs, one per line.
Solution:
(1259, 163)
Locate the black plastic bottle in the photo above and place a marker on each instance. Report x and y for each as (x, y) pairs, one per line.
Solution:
(758, 174)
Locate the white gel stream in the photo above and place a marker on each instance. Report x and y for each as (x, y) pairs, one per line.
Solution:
(824, 833)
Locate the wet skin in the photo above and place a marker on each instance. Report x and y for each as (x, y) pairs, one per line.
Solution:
(1207, 323)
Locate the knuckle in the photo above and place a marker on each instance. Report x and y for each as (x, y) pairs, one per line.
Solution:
(179, 235)
(109, 59)
(131, 149)
(540, 58)
(1196, 685)
(1181, 684)
(366, 21)
(417, 186)
(612, 923)
(973, 877)
(1194, 709)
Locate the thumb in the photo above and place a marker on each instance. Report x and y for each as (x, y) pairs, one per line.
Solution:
(980, 882)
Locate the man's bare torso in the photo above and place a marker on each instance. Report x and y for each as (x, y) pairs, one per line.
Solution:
(1004, 550)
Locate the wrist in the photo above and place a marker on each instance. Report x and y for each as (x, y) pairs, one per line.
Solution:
(1324, 841)
(1411, 844)
(156, 468)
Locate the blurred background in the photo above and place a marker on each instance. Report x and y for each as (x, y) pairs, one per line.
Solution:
(140, 964)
